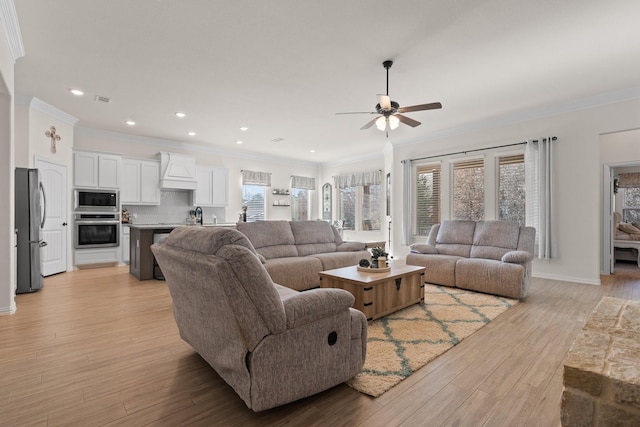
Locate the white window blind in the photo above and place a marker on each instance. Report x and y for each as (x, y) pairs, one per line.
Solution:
(256, 178)
(303, 182)
(511, 188)
(468, 190)
(427, 200)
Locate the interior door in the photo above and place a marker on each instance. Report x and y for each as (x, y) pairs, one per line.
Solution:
(53, 256)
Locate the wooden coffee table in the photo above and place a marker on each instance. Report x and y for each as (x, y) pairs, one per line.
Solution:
(378, 294)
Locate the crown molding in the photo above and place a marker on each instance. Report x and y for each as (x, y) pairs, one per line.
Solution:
(9, 18)
(43, 107)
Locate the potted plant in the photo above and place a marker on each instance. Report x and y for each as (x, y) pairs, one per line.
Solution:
(376, 253)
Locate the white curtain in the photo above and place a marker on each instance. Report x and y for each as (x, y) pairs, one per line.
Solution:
(407, 203)
(539, 187)
(358, 179)
(303, 182)
(256, 178)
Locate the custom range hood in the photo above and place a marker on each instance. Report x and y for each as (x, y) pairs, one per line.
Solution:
(177, 172)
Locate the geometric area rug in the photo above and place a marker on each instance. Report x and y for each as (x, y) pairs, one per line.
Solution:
(403, 342)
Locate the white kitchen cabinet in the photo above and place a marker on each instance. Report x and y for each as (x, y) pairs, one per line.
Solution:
(140, 182)
(96, 170)
(149, 182)
(212, 187)
(130, 192)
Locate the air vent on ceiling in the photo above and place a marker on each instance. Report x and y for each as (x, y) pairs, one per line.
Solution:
(277, 140)
(103, 99)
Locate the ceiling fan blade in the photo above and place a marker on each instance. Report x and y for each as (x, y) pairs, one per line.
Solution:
(384, 101)
(369, 124)
(360, 112)
(421, 107)
(407, 121)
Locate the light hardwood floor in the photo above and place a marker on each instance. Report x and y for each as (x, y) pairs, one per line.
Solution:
(97, 347)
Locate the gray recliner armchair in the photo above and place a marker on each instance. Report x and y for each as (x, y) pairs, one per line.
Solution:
(271, 344)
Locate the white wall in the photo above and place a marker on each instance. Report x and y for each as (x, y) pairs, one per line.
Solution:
(7, 234)
(579, 204)
(148, 148)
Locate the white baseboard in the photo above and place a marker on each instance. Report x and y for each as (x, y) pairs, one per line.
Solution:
(7, 310)
(567, 279)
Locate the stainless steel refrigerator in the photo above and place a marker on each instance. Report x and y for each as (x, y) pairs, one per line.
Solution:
(30, 214)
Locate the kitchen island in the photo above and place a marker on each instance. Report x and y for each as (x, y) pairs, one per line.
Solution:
(141, 260)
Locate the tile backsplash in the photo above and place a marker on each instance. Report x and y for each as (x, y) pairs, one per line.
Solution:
(173, 209)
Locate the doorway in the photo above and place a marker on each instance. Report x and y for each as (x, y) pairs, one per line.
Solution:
(621, 225)
(53, 256)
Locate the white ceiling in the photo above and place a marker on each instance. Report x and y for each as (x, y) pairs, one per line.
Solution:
(285, 67)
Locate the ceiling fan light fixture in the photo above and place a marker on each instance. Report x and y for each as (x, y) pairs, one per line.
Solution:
(381, 123)
(394, 122)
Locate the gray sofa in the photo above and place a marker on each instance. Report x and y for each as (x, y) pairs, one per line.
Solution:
(295, 252)
(271, 344)
(485, 256)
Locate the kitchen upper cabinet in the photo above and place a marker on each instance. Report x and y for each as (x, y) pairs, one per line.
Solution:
(212, 187)
(96, 170)
(140, 182)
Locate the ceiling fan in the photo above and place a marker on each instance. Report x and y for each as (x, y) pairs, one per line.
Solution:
(390, 111)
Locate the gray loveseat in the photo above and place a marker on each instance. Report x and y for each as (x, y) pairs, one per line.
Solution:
(295, 252)
(485, 256)
(271, 344)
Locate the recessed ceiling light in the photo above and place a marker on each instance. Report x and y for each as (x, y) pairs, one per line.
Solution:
(76, 92)
(192, 134)
(243, 128)
(130, 122)
(181, 115)
(238, 142)
(312, 151)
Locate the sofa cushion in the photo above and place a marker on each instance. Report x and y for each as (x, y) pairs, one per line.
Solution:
(333, 260)
(351, 246)
(299, 273)
(455, 232)
(315, 248)
(492, 277)
(309, 232)
(440, 269)
(271, 239)
(455, 238)
(493, 239)
(421, 248)
(313, 237)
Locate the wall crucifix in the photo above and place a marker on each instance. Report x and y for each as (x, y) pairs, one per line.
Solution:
(51, 133)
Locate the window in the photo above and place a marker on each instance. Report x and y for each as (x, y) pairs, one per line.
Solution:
(359, 207)
(299, 204)
(511, 189)
(370, 207)
(631, 205)
(468, 190)
(427, 198)
(347, 207)
(300, 196)
(253, 198)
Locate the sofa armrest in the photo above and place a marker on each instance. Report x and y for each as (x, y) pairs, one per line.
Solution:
(517, 257)
(309, 306)
(421, 248)
(350, 247)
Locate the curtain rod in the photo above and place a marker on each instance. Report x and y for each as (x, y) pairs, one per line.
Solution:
(553, 138)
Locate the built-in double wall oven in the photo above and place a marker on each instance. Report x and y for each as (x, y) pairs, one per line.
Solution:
(96, 218)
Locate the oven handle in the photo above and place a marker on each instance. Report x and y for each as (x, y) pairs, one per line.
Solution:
(92, 222)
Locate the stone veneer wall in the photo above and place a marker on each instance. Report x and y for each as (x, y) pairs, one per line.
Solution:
(602, 369)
